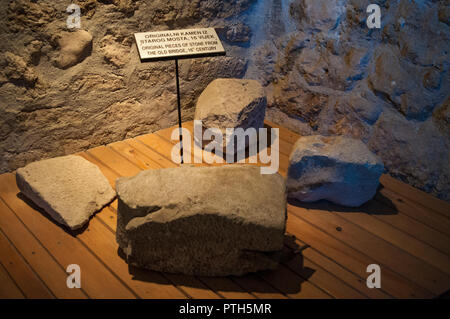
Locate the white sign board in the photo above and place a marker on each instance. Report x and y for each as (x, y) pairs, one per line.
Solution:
(178, 44)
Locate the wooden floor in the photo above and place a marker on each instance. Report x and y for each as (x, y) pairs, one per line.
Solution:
(327, 248)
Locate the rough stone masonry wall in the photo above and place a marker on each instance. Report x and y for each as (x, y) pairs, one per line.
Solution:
(324, 72)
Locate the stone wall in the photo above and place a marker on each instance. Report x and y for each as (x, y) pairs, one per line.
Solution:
(323, 69)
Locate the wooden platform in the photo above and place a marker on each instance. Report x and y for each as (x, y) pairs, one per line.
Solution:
(328, 248)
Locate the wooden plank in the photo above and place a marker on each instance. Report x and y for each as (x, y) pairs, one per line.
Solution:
(226, 288)
(136, 157)
(24, 277)
(189, 155)
(292, 279)
(285, 134)
(120, 164)
(97, 280)
(353, 260)
(119, 167)
(109, 218)
(418, 230)
(259, 288)
(223, 288)
(190, 285)
(8, 288)
(218, 161)
(332, 267)
(193, 287)
(39, 259)
(149, 152)
(293, 286)
(145, 284)
(386, 211)
(386, 254)
(417, 196)
(399, 239)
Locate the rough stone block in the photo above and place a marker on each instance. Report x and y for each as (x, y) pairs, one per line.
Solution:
(208, 221)
(69, 188)
(339, 169)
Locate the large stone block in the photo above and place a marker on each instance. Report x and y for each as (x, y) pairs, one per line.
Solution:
(339, 169)
(210, 221)
(69, 188)
(232, 103)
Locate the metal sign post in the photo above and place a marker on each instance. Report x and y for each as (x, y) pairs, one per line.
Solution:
(175, 45)
(179, 110)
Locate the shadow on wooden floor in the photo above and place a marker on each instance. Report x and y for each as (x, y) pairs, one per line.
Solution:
(291, 261)
(379, 205)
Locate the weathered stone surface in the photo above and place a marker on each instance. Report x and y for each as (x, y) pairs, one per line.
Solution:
(237, 32)
(231, 103)
(15, 70)
(320, 14)
(208, 221)
(408, 87)
(116, 50)
(414, 152)
(74, 47)
(339, 169)
(109, 95)
(70, 189)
